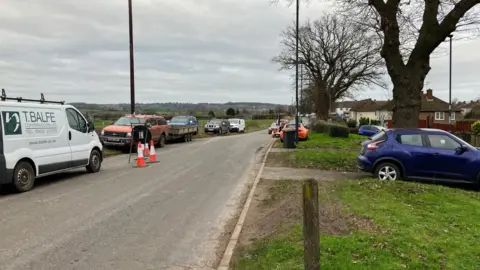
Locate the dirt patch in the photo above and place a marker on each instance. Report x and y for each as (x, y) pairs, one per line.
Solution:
(277, 205)
(276, 159)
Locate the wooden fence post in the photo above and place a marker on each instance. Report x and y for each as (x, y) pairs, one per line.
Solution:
(311, 225)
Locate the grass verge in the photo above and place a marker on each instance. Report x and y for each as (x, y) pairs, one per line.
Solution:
(322, 140)
(412, 226)
(315, 159)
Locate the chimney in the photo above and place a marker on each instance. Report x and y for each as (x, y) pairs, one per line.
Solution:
(429, 94)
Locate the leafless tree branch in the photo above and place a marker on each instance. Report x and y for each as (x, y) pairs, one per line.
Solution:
(339, 57)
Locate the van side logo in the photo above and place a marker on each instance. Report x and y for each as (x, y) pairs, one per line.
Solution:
(11, 123)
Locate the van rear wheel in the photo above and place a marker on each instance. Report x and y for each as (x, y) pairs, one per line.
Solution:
(23, 177)
(95, 162)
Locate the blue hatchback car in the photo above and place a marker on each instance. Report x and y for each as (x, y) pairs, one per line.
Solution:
(369, 130)
(420, 154)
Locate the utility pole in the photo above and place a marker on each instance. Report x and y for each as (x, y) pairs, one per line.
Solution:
(301, 88)
(450, 85)
(296, 70)
(132, 62)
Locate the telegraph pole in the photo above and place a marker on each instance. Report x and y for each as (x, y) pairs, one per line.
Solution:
(450, 85)
(132, 62)
(296, 72)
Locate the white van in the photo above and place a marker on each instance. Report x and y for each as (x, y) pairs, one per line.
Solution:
(237, 125)
(43, 139)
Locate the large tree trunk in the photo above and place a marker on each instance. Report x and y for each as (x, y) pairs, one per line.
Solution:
(322, 101)
(407, 94)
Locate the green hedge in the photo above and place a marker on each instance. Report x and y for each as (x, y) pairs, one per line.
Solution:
(320, 126)
(336, 130)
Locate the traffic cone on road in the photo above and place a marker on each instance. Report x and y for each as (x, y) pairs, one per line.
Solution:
(153, 154)
(146, 151)
(140, 158)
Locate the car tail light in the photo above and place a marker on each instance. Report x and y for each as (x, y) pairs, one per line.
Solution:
(374, 145)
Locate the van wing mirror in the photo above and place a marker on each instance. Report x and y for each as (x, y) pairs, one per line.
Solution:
(91, 127)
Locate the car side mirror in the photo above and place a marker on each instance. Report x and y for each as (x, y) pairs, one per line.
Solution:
(462, 149)
(91, 127)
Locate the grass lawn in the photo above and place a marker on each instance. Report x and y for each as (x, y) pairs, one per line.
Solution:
(322, 140)
(411, 225)
(315, 159)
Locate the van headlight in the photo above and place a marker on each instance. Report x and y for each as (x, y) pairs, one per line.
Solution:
(129, 134)
(103, 132)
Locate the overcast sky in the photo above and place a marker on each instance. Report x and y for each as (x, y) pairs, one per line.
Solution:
(185, 51)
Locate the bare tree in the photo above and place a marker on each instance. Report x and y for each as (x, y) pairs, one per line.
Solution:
(410, 32)
(339, 58)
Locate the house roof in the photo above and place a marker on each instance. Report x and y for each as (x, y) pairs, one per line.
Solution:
(368, 105)
(470, 104)
(433, 105)
(345, 104)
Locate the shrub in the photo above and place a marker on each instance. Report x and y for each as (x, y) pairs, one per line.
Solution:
(476, 128)
(374, 122)
(351, 123)
(353, 130)
(320, 126)
(364, 121)
(338, 131)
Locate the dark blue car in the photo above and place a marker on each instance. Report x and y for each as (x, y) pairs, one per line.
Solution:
(369, 130)
(184, 121)
(420, 154)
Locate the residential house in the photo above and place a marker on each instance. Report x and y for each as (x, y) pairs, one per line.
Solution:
(372, 109)
(467, 107)
(342, 108)
(433, 109)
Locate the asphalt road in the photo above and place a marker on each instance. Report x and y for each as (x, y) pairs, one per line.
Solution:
(168, 216)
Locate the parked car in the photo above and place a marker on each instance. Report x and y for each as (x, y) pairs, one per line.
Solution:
(189, 121)
(369, 130)
(273, 128)
(40, 139)
(421, 154)
(302, 131)
(237, 125)
(217, 126)
(119, 134)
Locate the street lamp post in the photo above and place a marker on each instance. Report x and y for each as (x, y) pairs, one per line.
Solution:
(132, 68)
(296, 72)
(450, 85)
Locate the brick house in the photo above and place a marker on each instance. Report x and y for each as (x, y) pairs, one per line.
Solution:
(434, 110)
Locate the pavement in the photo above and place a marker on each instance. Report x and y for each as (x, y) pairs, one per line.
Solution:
(170, 215)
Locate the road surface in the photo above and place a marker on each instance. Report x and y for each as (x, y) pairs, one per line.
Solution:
(168, 216)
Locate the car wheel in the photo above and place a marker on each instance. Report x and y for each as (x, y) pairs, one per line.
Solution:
(161, 141)
(388, 171)
(95, 162)
(23, 177)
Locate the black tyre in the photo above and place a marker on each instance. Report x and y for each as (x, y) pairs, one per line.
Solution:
(23, 177)
(161, 141)
(388, 171)
(95, 162)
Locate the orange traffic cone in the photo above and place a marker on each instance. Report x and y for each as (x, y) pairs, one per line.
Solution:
(140, 158)
(153, 154)
(146, 151)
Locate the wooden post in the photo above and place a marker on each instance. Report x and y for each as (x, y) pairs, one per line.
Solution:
(311, 225)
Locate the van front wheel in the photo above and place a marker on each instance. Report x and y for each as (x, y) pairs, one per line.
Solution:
(23, 177)
(95, 162)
